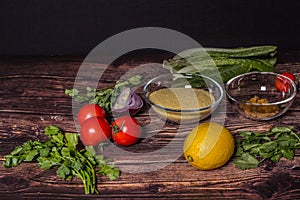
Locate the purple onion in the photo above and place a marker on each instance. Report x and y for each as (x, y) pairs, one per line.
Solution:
(127, 101)
(135, 104)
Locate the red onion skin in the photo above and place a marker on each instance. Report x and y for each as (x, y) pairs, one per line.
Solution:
(132, 108)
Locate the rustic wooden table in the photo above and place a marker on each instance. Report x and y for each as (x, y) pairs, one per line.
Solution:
(32, 97)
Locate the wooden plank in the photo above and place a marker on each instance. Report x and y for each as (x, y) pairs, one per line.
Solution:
(32, 97)
(176, 180)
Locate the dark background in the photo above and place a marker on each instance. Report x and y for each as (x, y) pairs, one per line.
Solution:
(75, 27)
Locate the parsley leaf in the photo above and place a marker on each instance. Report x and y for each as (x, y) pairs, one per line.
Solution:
(71, 92)
(253, 147)
(246, 161)
(103, 97)
(61, 151)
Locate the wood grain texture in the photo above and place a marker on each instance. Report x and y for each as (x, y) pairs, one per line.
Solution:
(32, 97)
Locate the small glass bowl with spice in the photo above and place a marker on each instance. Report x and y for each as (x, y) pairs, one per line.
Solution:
(261, 95)
(183, 99)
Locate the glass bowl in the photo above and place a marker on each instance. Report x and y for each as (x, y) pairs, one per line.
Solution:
(261, 95)
(183, 99)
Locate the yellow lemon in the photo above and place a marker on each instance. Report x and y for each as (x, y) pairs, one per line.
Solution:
(208, 146)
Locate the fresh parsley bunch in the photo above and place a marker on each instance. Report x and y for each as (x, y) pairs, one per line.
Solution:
(61, 151)
(104, 97)
(253, 147)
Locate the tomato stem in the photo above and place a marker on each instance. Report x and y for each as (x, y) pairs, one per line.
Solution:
(117, 128)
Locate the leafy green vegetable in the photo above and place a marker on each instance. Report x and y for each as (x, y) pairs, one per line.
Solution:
(72, 92)
(240, 52)
(253, 147)
(224, 63)
(61, 151)
(246, 161)
(103, 97)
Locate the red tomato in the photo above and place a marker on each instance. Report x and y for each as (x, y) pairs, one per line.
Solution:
(88, 111)
(282, 84)
(126, 131)
(289, 75)
(95, 130)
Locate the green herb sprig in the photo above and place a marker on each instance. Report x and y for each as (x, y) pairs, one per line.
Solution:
(253, 148)
(61, 151)
(103, 97)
